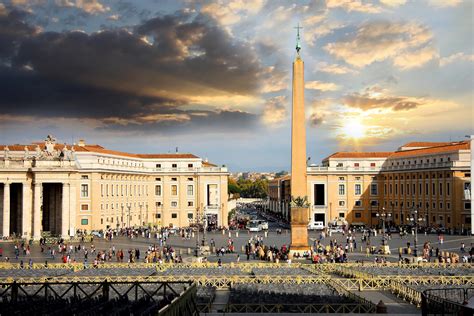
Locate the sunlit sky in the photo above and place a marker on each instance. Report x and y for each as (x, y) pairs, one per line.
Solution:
(214, 77)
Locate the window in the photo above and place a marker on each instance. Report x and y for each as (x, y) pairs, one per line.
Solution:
(356, 165)
(190, 215)
(449, 220)
(401, 189)
(101, 220)
(357, 178)
(84, 177)
(174, 166)
(190, 165)
(390, 188)
(440, 205)
(174, 215)
(319, 195)
(467, 205)
(342, 203)
(190, 179)
(448, 205)
(174, 204)
(358, 203)
(190, 203)
(158, 204)
(373, 189)
(358, 215)
(174, 179)
(374, 203)
(342, 215)
(358, 189)
(84, 221)
(190, 190)
(433, 189)
(396, 188)
(101, 190)
(157, 179)
(339, 165)
(158, 215)
(440, 189)
(158, 166)
(341, 178)
(385, 189)
(372, 164)
(448, 189)
(84, 190)
(342, 189)
(84, 207)
(174, 190)
(158, 190)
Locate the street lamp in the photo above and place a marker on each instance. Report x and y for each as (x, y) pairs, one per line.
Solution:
(415, 218)
(383, 216)
(129, 205)
(141, 215)
(122, 216)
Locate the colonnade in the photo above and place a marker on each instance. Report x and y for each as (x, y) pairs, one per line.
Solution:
(32, 209)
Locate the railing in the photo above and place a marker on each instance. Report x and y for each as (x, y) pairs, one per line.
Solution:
(347, 168)
(337, 308)
(185, 304)
(451, 301)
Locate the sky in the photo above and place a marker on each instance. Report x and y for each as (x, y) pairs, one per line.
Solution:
(213, 78)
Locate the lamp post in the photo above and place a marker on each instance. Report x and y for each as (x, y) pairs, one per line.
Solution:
(141, 215)
(383, 216)
(129, 206)
(415, 218)
(121, 219)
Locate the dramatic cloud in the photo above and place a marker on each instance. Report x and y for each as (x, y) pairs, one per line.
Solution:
(275, 111)
(334, 69)
(444, 3)
(354, 5)
(321, 86)
(89, 6)
(393, 3)
(455, 58)
(147, 77)
(13, 30)
(376, 98)
(316, 119)
(409, 43)
(229, 12)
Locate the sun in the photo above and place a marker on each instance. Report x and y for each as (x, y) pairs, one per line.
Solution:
(353, 128)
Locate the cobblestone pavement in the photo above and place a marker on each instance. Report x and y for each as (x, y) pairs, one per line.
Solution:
(451, 244)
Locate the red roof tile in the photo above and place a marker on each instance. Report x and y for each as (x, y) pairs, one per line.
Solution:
(432, 150)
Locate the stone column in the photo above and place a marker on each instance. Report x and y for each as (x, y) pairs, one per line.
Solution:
(72, 210)
(27, 204)
(65, 210)
(6, 210)
(38, 188)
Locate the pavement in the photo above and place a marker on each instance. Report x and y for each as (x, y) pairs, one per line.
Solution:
(451, 243)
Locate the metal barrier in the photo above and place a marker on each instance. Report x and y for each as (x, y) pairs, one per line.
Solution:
(185, 304)
(339, 308)
(447, 301)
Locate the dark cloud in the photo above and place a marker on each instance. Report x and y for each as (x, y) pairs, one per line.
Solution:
(13, 30)
(316, 119)
(128, 80)
(182, 121)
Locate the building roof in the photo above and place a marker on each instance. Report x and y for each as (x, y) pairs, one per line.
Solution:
(99, 149)
(464, 145)
(425, 144)
(356, 154)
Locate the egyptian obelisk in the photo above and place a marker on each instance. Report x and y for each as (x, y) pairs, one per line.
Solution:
(299, 213)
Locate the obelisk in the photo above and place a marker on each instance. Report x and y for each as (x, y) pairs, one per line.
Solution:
(299, 211)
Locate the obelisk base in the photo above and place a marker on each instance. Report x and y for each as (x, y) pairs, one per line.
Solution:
(299, 230)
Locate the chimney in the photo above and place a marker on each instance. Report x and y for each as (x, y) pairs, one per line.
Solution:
(81, 143)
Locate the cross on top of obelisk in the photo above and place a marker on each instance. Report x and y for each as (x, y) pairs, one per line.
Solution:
(298, 45)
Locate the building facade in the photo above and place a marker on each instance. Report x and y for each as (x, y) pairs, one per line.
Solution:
(431, 178)
(60, 189)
